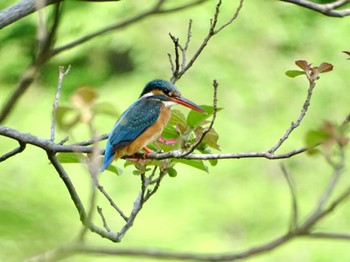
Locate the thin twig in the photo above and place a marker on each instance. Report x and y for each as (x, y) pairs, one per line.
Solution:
(176, 65)
(13, 152)
(295, 209)
(185, 48)
(206, 130)
(328, 235)
(111, 202)
(295, 124)
(61, 76)
(211, 32)
(320, 210)
(105, 225)
(135, 210)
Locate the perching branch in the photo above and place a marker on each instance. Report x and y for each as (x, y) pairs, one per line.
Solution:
(47, 145)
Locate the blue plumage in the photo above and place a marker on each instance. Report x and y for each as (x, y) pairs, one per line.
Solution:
(132, 123)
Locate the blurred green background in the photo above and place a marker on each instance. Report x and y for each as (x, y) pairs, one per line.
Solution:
(240, 203)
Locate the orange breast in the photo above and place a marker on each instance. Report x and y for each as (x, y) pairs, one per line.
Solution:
(148, 136)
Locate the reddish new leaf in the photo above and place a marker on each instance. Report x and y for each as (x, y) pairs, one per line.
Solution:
(325, 67)
(302, 64)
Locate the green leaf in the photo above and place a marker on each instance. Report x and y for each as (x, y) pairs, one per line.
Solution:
(313, 152)
(205, 150)
(199, 164)
(69, 158)
(213, 162)
(136, 172)
(195, 118)
(67, 117)
(172, 172)
(315, 137)
(114, 169)
(294, 73)
(105, 109)
(211, 139)
(177, 117)
(170, 132)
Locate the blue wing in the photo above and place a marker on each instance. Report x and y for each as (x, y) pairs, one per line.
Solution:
(132, 123)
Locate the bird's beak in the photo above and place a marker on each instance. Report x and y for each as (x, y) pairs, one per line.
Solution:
(187, 103)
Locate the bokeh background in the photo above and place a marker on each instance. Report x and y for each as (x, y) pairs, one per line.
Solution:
(240, 203)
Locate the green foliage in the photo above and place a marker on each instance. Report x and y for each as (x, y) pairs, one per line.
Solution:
(70, 158)
(328, 136)
(83, 109)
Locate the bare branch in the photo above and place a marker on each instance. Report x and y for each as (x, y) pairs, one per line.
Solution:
(295, 209)
(206, 130)
(329, 9)
(47, 145)
(69, 185)
(105, 225)
(295, 124)
(61, 76)
(211, 32)
(111, 202)
(13, 152)
(27, 78)
(20, 10)
(156, 9)
(329, 235)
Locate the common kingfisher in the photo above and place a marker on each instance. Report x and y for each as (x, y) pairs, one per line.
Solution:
(143, 122)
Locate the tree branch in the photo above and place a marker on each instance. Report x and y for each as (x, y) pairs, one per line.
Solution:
(29, 75)
(61, 76)
(13, 152)
(329, 9)
(156, 9)
(177, 74)
(22, 9)
(295, 124)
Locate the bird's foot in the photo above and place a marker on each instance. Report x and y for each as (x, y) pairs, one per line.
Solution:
(168, 141)
(147, 151)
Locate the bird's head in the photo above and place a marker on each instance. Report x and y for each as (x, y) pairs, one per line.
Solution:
(168, 94)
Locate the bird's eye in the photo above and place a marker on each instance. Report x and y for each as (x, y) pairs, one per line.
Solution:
(166, 91)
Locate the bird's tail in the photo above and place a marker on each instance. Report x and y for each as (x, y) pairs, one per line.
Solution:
(109, 156)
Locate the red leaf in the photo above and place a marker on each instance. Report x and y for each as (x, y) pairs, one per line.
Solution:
(325, 67)
(302, 64)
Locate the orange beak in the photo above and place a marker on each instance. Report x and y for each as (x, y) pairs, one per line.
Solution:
(187, 103)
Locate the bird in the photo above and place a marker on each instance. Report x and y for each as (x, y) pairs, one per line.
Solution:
(143, 122)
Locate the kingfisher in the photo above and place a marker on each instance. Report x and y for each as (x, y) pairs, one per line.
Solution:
(143, 122)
